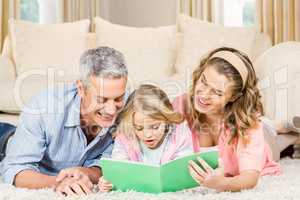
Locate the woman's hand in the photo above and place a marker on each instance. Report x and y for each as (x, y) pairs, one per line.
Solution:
(104, 186)
(207, 177)
(215, 179)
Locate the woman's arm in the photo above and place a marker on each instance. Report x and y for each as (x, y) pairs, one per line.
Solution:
(246, 180)
(209, 178)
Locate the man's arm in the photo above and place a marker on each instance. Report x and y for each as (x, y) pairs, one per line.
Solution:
(25, 150)
(34, 180)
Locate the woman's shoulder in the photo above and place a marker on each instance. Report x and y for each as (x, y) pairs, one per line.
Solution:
(180, 103)
(182, 130)
(257, 128)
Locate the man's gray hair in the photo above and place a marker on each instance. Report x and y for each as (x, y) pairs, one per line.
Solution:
(102, 61)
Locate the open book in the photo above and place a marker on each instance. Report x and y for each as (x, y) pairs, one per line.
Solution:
(169, 177)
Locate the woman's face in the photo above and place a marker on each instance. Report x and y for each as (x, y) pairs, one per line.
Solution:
(149, 131)
(212, 92)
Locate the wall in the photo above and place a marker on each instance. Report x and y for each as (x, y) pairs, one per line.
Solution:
(140, 13)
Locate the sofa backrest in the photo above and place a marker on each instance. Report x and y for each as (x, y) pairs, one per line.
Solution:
(261, 44)
(111, 35)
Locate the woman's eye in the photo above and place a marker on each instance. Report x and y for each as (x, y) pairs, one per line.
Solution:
(203, 81)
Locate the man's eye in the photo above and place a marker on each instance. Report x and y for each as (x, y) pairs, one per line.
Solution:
(138, 128)
(119, 99)
(100, 100)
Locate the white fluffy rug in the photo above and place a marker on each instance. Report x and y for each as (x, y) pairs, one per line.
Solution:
(286, 186)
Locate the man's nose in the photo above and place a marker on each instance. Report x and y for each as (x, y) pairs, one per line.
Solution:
(110, 107)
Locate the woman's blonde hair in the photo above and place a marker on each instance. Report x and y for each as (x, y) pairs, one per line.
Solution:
(244, 112)
(152, 102)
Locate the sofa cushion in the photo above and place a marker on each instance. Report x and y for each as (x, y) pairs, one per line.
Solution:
(59, 46)
(149, 52)
(18, 92)
(200, 37)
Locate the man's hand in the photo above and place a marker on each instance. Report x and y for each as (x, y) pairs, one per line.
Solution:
(73, 181)
(72, 186)
(75, 172)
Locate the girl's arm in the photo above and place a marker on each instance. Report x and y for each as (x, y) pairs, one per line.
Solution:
(119, 152)
(183, 140)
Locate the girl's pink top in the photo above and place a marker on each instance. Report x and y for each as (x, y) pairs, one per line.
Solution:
(238, 156)
(178, 144)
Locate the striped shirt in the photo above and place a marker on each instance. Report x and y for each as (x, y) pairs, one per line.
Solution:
(49, 137)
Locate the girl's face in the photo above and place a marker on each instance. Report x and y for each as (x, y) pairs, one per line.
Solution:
(149, 131)
(212, 92)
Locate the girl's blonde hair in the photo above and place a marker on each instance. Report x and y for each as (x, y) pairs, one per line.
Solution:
(244, 112)
(152, 102)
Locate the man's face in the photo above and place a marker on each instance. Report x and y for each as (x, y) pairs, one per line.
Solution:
(101, 100)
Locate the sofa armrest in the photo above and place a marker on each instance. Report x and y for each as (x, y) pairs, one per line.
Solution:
(278, 72)
(7, 69)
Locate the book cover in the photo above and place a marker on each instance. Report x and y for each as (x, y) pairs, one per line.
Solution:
(169, 177)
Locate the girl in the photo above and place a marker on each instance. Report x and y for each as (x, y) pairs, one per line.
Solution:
(149, 130)
(223, 108)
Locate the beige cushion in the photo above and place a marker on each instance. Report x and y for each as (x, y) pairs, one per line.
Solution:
(9, 118)
(17, 93)
(279, 72)
(200, 37)
(149, 52)
(7, 69)
(261, 44)
(58, 46)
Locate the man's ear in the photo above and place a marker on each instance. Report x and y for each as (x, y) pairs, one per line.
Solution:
(80, 88)
(235, 97)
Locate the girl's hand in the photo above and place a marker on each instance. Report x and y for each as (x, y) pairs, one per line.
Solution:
(208, 177)
(104, 186)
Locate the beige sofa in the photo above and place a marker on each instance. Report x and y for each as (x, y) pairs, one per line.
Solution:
(37, 56)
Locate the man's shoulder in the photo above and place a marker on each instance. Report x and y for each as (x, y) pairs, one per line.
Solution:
(59, 92)
(52, 100)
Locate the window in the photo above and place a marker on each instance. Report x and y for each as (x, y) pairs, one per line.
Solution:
(29, 10)
(239, 12)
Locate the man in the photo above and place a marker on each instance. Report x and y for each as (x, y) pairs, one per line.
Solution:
(63, 132)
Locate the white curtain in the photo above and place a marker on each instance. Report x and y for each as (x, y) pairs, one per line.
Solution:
(73, 10)
(207, 10)
(280, 19)
(8, 9)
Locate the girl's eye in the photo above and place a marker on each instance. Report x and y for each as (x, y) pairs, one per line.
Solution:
(155, 126)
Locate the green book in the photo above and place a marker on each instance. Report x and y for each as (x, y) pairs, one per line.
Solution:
(169, 177)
